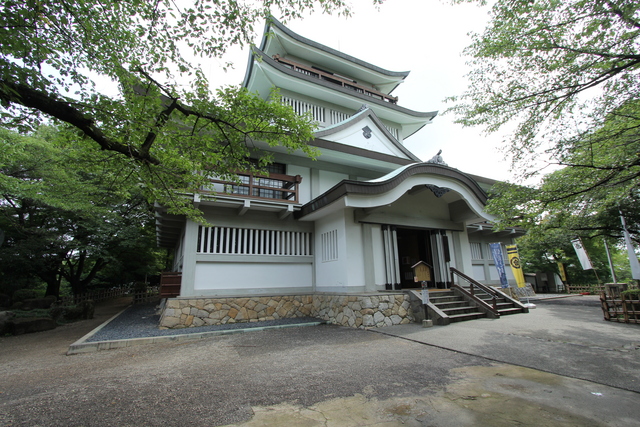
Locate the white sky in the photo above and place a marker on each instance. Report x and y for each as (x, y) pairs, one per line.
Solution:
(425, 37)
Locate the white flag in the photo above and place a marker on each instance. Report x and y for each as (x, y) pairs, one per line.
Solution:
(582, 254)
(633, 258)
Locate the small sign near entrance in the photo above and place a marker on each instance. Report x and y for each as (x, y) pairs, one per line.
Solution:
(425, 294)
(421, 272)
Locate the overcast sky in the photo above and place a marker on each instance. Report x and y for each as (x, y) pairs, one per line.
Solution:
(425, 37)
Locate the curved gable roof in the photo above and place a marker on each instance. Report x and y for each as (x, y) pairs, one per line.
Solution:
(389, 182)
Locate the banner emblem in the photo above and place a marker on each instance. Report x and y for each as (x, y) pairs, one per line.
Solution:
(516, 268)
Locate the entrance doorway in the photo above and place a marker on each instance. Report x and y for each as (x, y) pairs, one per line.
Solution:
(430, 246)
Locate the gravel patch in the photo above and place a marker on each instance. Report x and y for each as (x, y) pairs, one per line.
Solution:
(141, 321)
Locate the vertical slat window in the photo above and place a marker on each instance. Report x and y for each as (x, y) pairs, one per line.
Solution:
(329, 245)
(247, 241)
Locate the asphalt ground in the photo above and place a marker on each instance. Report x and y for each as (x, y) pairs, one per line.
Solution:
(561, 364)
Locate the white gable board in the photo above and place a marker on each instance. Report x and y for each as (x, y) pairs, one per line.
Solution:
(365, 134)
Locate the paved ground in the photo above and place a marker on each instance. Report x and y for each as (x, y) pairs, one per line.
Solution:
(559, 365)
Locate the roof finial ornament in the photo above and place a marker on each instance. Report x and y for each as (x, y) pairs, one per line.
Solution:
(437, 159)
(364, 107)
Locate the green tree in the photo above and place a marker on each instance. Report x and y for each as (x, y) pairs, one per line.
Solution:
(559, 70)
(123, 74)
(67, 212)
(565, 75)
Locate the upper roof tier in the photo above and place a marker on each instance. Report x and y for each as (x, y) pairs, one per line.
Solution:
(330, 84)
(281, 41)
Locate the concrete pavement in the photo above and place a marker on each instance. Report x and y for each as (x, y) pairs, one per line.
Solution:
(458, 375)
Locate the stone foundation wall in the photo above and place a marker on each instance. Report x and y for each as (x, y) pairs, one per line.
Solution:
(358, 311)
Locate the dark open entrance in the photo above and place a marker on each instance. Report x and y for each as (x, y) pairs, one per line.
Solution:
(418, 245)
(413, 246)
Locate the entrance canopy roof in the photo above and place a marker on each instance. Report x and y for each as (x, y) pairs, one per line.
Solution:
(421, 194)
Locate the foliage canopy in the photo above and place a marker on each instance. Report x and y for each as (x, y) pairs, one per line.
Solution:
(96, 221)
(566, 76)
(124, 75)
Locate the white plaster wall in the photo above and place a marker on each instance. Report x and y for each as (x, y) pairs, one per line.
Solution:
(331, 275)
(463, 263)
(329, 179)
(354, 251)
(230, 276)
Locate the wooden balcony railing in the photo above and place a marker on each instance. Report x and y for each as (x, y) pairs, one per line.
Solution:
(339, 80)
(273, 187)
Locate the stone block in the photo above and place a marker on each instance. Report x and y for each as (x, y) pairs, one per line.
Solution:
(188, 321)
(367, 320)
(395, 319)
(173, 303)
(242, 315)
(378, 317)
(233, 312)
(19, 326)
(197, 321)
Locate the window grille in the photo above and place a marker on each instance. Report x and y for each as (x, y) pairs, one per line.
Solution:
(329, 242)
(476, 250)
(338, 116)
(249, 241)
(301, 107)
(393, 131)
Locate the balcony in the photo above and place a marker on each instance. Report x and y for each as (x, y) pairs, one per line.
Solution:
(280, 187)
(336, 79)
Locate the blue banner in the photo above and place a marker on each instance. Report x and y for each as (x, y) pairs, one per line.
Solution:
(498, 259)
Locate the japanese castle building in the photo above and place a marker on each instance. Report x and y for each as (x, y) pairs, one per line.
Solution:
(350, 224)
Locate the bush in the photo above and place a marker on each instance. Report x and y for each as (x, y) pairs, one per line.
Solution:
(23, 294)
(631, 294)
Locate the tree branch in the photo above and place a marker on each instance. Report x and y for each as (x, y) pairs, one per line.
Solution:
(63, 110)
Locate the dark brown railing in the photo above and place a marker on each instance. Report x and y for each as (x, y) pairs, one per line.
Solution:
(339, 80)
(275, 186)
(473, 286)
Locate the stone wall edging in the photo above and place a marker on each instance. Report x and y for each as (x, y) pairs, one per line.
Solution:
(358, 311)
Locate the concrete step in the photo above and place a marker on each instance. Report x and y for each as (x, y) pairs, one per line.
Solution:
(466, 316)
(438, 300)
(460, 310)
(450, 304)
(507, 311)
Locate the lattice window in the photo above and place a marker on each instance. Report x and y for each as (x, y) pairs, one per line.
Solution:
(302, 107)
(476, 250)
(338, 116)
(249, 241)
(329, 242)
(393, 131)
